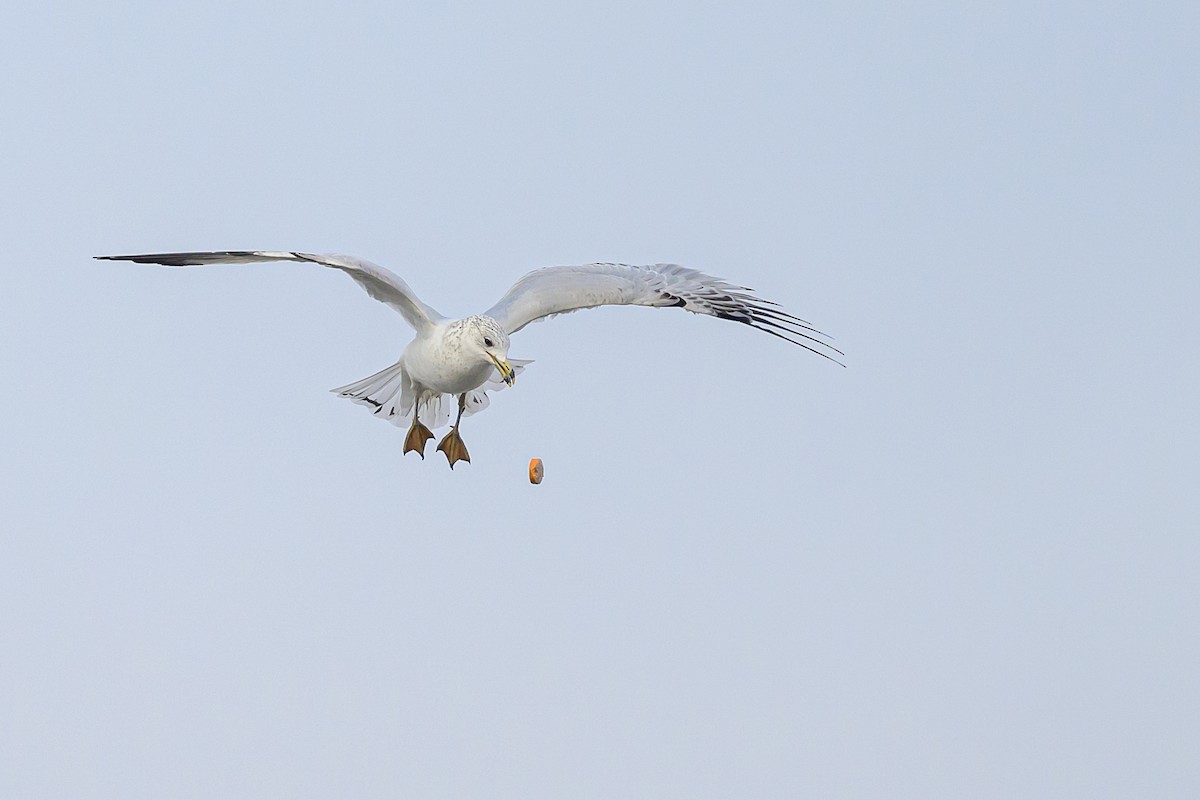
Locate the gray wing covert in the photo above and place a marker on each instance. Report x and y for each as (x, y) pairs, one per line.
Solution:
(546, 292)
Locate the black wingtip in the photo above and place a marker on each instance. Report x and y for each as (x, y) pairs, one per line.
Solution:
(766, 327)
(798, 343)
(165, 259)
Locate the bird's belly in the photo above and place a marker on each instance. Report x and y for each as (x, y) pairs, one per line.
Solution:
(446, 376)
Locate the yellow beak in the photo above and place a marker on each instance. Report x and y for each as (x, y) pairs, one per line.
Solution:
(506, 371)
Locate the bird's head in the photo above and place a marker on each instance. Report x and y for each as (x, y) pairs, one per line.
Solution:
(485, 337)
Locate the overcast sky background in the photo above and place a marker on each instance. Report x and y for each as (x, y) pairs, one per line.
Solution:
(965, 566)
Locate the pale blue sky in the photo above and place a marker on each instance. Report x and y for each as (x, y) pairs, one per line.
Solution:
(966, 566)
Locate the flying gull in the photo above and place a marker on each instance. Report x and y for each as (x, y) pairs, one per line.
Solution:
(467, 358)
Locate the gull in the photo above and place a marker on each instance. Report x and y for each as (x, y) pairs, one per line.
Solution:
(467, 358)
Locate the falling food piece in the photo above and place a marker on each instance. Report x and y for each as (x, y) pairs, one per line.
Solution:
(536, 471)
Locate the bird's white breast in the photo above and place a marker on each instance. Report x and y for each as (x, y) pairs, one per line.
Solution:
(440, 362)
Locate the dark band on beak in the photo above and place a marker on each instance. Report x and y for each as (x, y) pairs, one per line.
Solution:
(506, 371)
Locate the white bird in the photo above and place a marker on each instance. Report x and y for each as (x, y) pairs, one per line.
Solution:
(468, 357)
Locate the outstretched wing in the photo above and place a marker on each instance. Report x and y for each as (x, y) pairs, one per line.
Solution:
(383, 285)
(558, 290)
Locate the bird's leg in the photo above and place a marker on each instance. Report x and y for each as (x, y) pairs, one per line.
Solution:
(453, 445)
(418, 434)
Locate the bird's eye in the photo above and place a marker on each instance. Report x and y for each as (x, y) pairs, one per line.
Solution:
(487, 342)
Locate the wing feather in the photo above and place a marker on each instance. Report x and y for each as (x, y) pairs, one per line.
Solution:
(381, 284)
(546, 292)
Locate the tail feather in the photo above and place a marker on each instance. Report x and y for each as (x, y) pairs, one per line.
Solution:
(390, 395)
